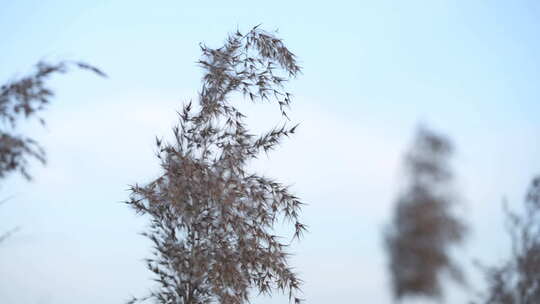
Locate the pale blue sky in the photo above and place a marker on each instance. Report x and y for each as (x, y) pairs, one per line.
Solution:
(373, 71)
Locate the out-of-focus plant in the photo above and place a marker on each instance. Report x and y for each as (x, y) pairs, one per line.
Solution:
(517, 280)
(22, 99)
(424, 227)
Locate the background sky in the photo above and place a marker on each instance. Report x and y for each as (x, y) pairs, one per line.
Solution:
(373, 71)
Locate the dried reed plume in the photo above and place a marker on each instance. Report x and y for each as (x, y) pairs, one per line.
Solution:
(211, 219)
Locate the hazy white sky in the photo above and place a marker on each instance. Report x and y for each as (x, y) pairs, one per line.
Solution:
(373, 71)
